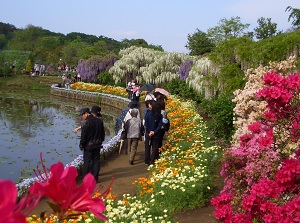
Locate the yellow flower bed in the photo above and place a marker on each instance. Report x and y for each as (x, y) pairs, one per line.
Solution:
(106, 89)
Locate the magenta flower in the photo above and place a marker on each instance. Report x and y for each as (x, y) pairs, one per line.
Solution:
(272, 78)
(61, 187)
(10, 210)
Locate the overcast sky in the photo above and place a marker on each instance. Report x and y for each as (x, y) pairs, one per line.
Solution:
(159, 22)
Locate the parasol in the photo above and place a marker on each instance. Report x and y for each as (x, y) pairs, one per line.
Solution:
(163, 91)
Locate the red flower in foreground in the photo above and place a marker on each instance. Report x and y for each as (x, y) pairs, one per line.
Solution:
(60, 186)
(10, 211)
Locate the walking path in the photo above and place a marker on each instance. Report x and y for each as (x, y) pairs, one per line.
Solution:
(124, 174)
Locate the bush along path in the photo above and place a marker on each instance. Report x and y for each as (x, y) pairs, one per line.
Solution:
(262, 168)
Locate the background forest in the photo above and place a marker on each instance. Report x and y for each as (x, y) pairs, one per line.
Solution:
(214, 68)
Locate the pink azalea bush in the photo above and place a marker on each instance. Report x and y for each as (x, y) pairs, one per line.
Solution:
(262, 170)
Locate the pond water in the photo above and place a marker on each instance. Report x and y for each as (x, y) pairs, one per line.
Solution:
(34, 122)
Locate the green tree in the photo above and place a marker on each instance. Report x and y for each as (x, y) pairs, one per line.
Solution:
(126, 43)
(295, 16)
(7, 29)
(199, 43)
(6, 33)
(227, 28)
(266, 28)
(46, 47)
(73, 51)
(90, 39)
(2, 41)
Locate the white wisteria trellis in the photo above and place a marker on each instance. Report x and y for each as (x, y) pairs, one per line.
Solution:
(150, 66)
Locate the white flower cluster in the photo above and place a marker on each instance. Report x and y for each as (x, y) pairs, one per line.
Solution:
(148, 65)
(196, 79)
(133, 209)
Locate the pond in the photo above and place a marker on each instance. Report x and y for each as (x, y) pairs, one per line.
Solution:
(34, 122)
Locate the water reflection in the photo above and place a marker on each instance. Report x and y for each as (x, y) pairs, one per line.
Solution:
(31, 126)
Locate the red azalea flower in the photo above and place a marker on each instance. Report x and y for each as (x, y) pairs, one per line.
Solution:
(255, 127)
(272, 78)
(62, 189)
(10, 211)
(293, 82)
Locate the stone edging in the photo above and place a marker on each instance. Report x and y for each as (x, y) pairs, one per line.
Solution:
(115, 103)
(95, 97)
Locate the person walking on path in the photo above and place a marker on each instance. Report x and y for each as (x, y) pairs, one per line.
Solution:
(122, 119)
(153, 124)
(134, 129)
(92, 136)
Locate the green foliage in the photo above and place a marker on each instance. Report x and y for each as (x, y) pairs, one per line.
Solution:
(218, 109)
(220, 116)
(227, 28)
(90, 39)
(48, 47)
(180, 88)
(250, 54)
(294, 16)
(226, 51)
(105, 78)
(13, 59)
(5, 71)
(199, 43)
(6, 28)
(232, 77)
(265, 29)
(126, 43)
(2, 41)
(75, 50)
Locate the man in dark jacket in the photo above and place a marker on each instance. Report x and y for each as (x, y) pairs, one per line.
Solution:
(92, 136)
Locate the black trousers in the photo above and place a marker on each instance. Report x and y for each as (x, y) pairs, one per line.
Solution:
(91, 162)
(151, 149)
(161, 137)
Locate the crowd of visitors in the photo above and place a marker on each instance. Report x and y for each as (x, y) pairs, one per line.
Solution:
(148, 127)
(152, 128)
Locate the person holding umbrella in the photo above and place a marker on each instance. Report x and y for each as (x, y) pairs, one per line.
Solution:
(148, 88)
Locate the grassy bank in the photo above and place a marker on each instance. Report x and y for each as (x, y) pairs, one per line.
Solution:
(26, 82)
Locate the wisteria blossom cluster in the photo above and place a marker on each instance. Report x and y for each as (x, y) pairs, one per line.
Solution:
(90, 68)
(196, 78)
(262, 171)
(147, 65)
